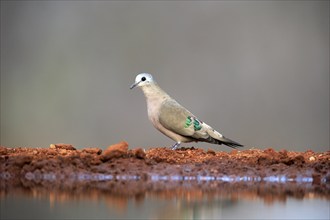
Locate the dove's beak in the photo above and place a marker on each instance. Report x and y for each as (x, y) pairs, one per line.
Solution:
(134, 85)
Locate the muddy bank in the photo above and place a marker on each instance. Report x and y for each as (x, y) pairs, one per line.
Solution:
(119, 169)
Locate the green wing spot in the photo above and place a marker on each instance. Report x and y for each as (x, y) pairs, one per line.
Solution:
(197, 125)
(188, 122)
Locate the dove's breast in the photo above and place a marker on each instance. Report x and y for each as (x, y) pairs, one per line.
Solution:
(153, 111)
(153, 114)
(155, 98)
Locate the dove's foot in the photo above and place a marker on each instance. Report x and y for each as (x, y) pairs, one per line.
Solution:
(176, 145)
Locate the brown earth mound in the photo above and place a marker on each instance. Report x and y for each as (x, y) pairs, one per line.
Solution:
(62, 164)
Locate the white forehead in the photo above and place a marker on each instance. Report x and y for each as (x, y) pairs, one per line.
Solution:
(146, 75)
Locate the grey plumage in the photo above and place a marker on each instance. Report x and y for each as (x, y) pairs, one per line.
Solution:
(173, 120)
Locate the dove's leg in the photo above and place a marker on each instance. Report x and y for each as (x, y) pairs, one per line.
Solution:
(176, 145)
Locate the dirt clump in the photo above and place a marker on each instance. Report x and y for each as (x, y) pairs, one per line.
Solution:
(115, 151)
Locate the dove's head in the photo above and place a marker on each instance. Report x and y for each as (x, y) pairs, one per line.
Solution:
(142, 79)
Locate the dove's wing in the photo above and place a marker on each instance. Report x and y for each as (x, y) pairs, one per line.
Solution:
(179, 120)
(173, 117)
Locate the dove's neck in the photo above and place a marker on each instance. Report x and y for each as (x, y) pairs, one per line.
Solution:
(155, 96)
(153, 93)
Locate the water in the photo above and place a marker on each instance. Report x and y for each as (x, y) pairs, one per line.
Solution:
(98, 196)
(157, 207)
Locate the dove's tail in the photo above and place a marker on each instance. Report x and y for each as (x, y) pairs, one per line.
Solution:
(221, 140)
(217, 138)
(228, 142)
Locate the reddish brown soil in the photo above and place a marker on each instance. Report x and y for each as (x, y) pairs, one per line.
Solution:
(61, 166)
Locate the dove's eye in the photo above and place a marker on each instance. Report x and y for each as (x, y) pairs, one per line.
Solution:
(143, 79)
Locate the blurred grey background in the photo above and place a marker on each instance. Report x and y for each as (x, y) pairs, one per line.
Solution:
(257, 71)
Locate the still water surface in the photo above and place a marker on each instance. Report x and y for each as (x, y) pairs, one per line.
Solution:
(137, 199)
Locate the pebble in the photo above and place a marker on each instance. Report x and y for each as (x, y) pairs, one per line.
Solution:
(312, 158)
(210, 151)
(92, 150)
(139, 153)
(115, 151)
(62, 146)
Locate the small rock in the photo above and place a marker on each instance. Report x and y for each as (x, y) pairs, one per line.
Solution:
(210, 151)
(62, 146)
(311, 158)
(115, 151)
(52, 146)
(139, 153)
(92, 150)
(121, 146)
